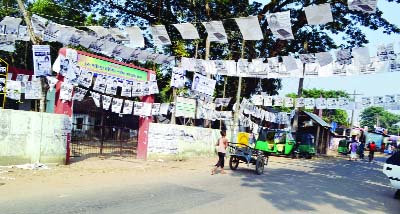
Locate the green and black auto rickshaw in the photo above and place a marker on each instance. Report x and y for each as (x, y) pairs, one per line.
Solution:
(276, 142)
(343, 147)
(305, 148)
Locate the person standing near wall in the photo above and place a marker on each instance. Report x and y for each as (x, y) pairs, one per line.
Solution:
(222, 144)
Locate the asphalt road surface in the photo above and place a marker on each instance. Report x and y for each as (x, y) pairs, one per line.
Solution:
(287, 186)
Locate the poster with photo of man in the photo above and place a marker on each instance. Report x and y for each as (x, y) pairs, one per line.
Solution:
(126, 88)
(137, 89)
(203, 84)
(366, 102)
(86, 78)
(33, 90)
(100, 83)
(116, 105)
(146, 88)
(41, 60)
(66, 91)
(280, 25)
(112, 85)
(331, 103)
(178, 78)
(79, 94)
(300, 102)
(309, 103)
(154, 87)
(343, 103)
(128, 107)
(137, 108)
(106, 101)
(155, 109)
(321, 103)
(379, 100)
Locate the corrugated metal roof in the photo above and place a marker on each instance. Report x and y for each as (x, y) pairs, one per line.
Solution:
(317, 119)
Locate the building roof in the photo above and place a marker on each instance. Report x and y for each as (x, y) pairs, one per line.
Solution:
(317, 119)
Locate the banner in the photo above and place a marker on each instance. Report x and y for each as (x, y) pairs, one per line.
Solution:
(203, 84)
(185, 107)
(41, 60)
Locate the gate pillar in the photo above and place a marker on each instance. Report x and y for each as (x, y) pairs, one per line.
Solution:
(144, 123)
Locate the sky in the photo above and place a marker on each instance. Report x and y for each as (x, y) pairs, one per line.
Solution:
(367, 85)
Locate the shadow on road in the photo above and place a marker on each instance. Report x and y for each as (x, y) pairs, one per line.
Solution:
(300, 185)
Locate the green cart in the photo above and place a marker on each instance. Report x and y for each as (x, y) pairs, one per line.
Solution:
(343, 147)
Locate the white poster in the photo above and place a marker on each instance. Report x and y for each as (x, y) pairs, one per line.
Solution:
(86, 78)
(321, 103)
(164, 108)
(100, 83)
(137, 89)
(366, 102)
(278, 101)
(250, 28)
(224, 102)
(100, 31)
(153, 87)
(14, 89)
(309, 103)
(79, 94)
(112, 85)
(366, 6)
(7, 42)
(96, 98)
(268, 100)
(116, 105)
(288, 102)
(290, 63)
(331, 103)
(361, 56)
(52, 81)
(216, 31)
(257, 100)
(146, 88)
(386, 52)
(137, 108)
(324, 58)
(126, 88)
(135, 37)
(146, 110)
(280, 25)
(160, 35)
(23, 33)
(343, 57)
(66, 91)
(187, 31)
(203, 84)
(41, 60)
(9, 25)
(38, 24)
(128, 106)
(379, 100)
(300, 102)
(106, 100)
(390, 99)
(50, 34)
(33, 90)
(343, 103)
(308, 58)
(319, 14)
(155, 109)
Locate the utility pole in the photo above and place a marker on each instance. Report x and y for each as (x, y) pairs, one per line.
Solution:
(299, 93)
(352, 111)
(239, 91)
(35, 42)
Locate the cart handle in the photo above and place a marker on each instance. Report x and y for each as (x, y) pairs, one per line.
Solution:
(233, 144)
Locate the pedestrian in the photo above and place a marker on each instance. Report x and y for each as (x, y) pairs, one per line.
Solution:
(361, 149)
(372, 149)
(222, 144)
(353, 150)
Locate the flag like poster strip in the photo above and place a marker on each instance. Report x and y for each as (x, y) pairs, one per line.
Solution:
(318, 14)
(288, 102)
(300, 102)
(155, 109)
(280, 25)
(187, 31)
(96, 98)
(216, 31)
(135, 37)
(116, 105)
(128, 107)
(365, 6)
(321, 103)
(33, 90)
(41, 60)
(309, 103)
(66, 91)
(250, 28)
(160, 35)
(106, 100)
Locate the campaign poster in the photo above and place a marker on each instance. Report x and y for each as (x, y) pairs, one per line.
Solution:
(41, 60)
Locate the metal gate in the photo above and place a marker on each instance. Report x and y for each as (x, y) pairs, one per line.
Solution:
(98, 132)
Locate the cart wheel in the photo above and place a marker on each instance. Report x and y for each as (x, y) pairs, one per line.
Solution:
(233, 162)
(259, 165)
(397, 194)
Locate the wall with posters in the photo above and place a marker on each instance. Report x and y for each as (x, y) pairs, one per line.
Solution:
(31, 137)
(180, 142)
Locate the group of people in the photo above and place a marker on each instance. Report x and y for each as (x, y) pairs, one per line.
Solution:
(359, 148)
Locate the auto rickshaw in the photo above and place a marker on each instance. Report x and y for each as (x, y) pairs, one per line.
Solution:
(306, 147)
(277, 142)
(343, 147)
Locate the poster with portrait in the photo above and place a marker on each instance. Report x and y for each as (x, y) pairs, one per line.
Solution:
(343, 103)
(128, 107)
(137, 108)
(288, 102)
(278, 101)
(268, 100)
(390, 99)
(331, 103)
(96, 98)
(160, 35)
(216, 31)
(203, 84)
(33, 90)
(13, 90)
(318, 14)
(366, 102)
(116, 105)
(106, 101)
(86, 78)
(300, 102)
(280, 25)
(137, 89)
(164, 108)
(365, 6)
(178, 77)
(79, 94)
(309, 103)
(379, 101)
(23, 33)
(112, 85)
(155, 109)
(126, 88)
(66, 91)
(146, 88)
(321, 103)
(100, 83)
(41, 60)
(153, 87)
(146, 110)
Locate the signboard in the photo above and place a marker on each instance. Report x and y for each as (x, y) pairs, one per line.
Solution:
(3, 82)
(185, 107)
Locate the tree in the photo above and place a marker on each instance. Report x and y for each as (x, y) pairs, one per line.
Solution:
(329, 115)
(378, 116)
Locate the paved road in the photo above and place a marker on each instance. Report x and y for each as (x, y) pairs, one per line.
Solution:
(288, 186)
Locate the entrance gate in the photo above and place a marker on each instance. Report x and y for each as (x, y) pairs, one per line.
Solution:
(97, 132)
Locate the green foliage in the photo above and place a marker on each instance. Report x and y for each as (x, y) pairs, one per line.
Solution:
(375, 115)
